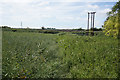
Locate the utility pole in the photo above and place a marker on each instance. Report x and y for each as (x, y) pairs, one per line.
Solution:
(21, 24)
(93, 18)
(88, 21)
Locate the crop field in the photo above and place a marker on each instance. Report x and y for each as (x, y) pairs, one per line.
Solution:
(62, 55)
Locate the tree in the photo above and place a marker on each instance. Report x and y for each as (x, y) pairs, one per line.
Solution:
(80, 29)
(112, 23)
(43, 28)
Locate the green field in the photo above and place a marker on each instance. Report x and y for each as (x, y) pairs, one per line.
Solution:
(39, 55)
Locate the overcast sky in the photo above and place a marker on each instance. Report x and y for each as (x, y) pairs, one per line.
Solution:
(60, 14)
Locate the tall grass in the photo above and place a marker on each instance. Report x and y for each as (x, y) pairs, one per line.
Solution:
(90, 56)
(35, 55)
(28, 55)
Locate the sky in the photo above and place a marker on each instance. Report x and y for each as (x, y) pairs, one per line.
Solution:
(59, 14)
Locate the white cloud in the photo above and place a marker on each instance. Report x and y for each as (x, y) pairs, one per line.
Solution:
(29, 1)
(104, 11)
(45, 16)
(40, 12)
(43, 3)
(92, 6)
(88, 0)
(64, 18)
(108, 5)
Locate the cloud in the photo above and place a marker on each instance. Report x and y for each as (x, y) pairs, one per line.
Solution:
(105, 10)
(108, 5)
(45, 16)
(93, 6)
(29, 1)
(49, 13)
(89, 0)
(43, 3)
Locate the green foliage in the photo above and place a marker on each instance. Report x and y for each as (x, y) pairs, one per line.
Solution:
(29, 55)
(38, 55)
(43, 28)
(112, 24)
(96, 29)
(89, 57)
